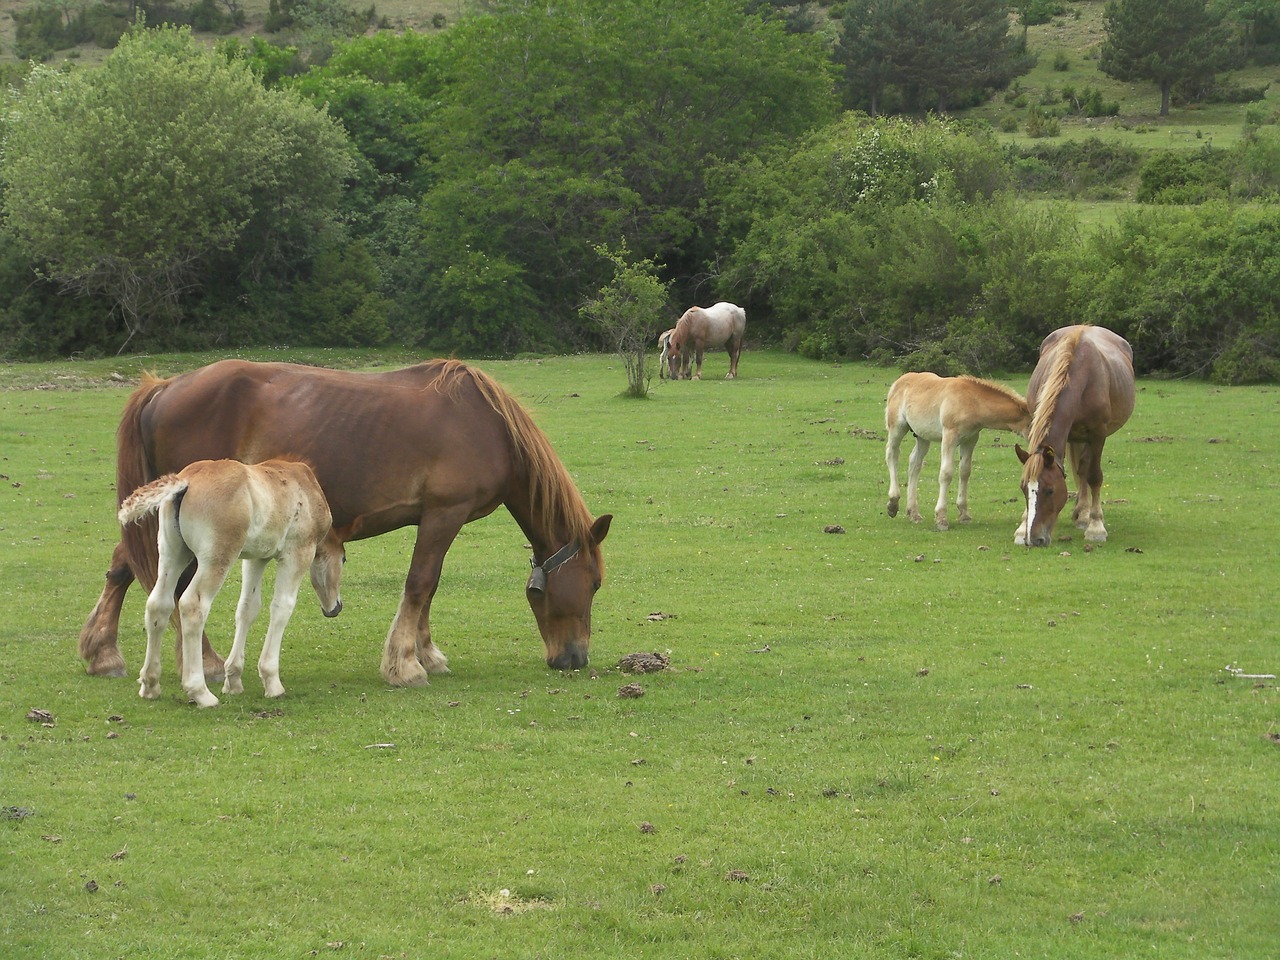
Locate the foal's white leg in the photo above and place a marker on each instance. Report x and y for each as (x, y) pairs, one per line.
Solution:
(966, 468)
(896, 433)
(247, 609)
(173, 559)
(914, 466)
(946, 470)
(289, 573)
(194, 607)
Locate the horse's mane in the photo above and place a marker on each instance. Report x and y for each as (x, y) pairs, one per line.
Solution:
(681, 329)
(552, 493)
(1009, 392)
(1055, 382)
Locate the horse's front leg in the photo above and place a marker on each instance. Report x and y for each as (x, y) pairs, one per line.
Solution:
(290, 572)
(946, 470)
(914, 465)
(1088, 512)
(99, 644)
(698, 351)
(247, 610)
(410, 655)
(965, 469)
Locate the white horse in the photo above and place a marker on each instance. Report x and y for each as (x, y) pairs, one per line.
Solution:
(952, 411)
(701, 327)
(213, 512)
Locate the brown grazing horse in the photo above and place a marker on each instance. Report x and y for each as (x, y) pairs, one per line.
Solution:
(1081, 392)
(952, 411)
(721, 324)
(435, 445)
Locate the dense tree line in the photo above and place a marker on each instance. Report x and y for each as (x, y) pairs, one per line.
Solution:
(470, 191)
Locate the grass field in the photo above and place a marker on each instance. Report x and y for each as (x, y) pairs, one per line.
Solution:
(886, 742)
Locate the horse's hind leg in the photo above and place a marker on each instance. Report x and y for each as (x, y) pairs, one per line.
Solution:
(99, 645)
(914, 465)
(194, 609)
(892, 447)
(735, 350)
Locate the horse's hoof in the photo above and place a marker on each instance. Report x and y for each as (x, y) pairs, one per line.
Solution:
(215, 671)
(233, 686)
(942, 526)
(273, 690)
(202, 699)
(106, 664)
(1095, 536)
(149, 693)
(405, 674)
(892, 509)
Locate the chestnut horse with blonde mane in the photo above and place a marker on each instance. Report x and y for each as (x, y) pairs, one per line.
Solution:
(436, 446)
(1081, 391)
(952, 411)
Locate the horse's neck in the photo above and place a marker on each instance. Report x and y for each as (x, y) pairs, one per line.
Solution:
(545, 535)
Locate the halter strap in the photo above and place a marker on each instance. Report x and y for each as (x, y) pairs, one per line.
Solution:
(538, 576)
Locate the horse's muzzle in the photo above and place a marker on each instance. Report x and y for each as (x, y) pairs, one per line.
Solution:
(571, 659)
(335, 611)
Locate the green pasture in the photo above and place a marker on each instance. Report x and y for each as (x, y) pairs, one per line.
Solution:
(881, 742)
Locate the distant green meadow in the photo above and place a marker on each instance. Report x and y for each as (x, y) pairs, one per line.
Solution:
(874, 739)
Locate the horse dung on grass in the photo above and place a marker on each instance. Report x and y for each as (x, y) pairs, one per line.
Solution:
(952, 411)
(215, 512)
(1081, 391)
(722, 324)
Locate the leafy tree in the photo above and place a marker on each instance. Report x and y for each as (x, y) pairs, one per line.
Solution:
(557, 131)
(627, 311)
(133, 179)
(1164, 41)
(942, 46)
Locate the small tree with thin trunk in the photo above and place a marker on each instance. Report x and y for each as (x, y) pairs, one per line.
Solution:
(628, 312)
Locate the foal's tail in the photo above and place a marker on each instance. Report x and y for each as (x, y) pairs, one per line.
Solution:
(133, 469)
(148, 499)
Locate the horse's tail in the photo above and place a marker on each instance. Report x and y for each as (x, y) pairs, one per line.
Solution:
(150, 497)
(133, 469)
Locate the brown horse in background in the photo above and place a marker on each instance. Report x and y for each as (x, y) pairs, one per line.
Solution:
(952, 411)
(1081, 391)
(435, 445)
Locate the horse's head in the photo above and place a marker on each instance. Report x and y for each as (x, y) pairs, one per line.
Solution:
(560, 591)
(673, 355)
(326, 573)
(1044, 487)
(664, 344)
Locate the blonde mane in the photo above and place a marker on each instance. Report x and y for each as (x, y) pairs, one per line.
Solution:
(553, 495)
(1055, 382)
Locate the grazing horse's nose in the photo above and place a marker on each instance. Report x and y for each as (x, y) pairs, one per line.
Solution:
(572, 658)
(337, 609)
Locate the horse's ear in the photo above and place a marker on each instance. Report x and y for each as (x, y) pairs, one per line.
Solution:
(600, 529)
(1048, 456)
(1023, 456)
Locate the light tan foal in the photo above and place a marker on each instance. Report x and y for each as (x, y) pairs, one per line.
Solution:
(218, 511)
